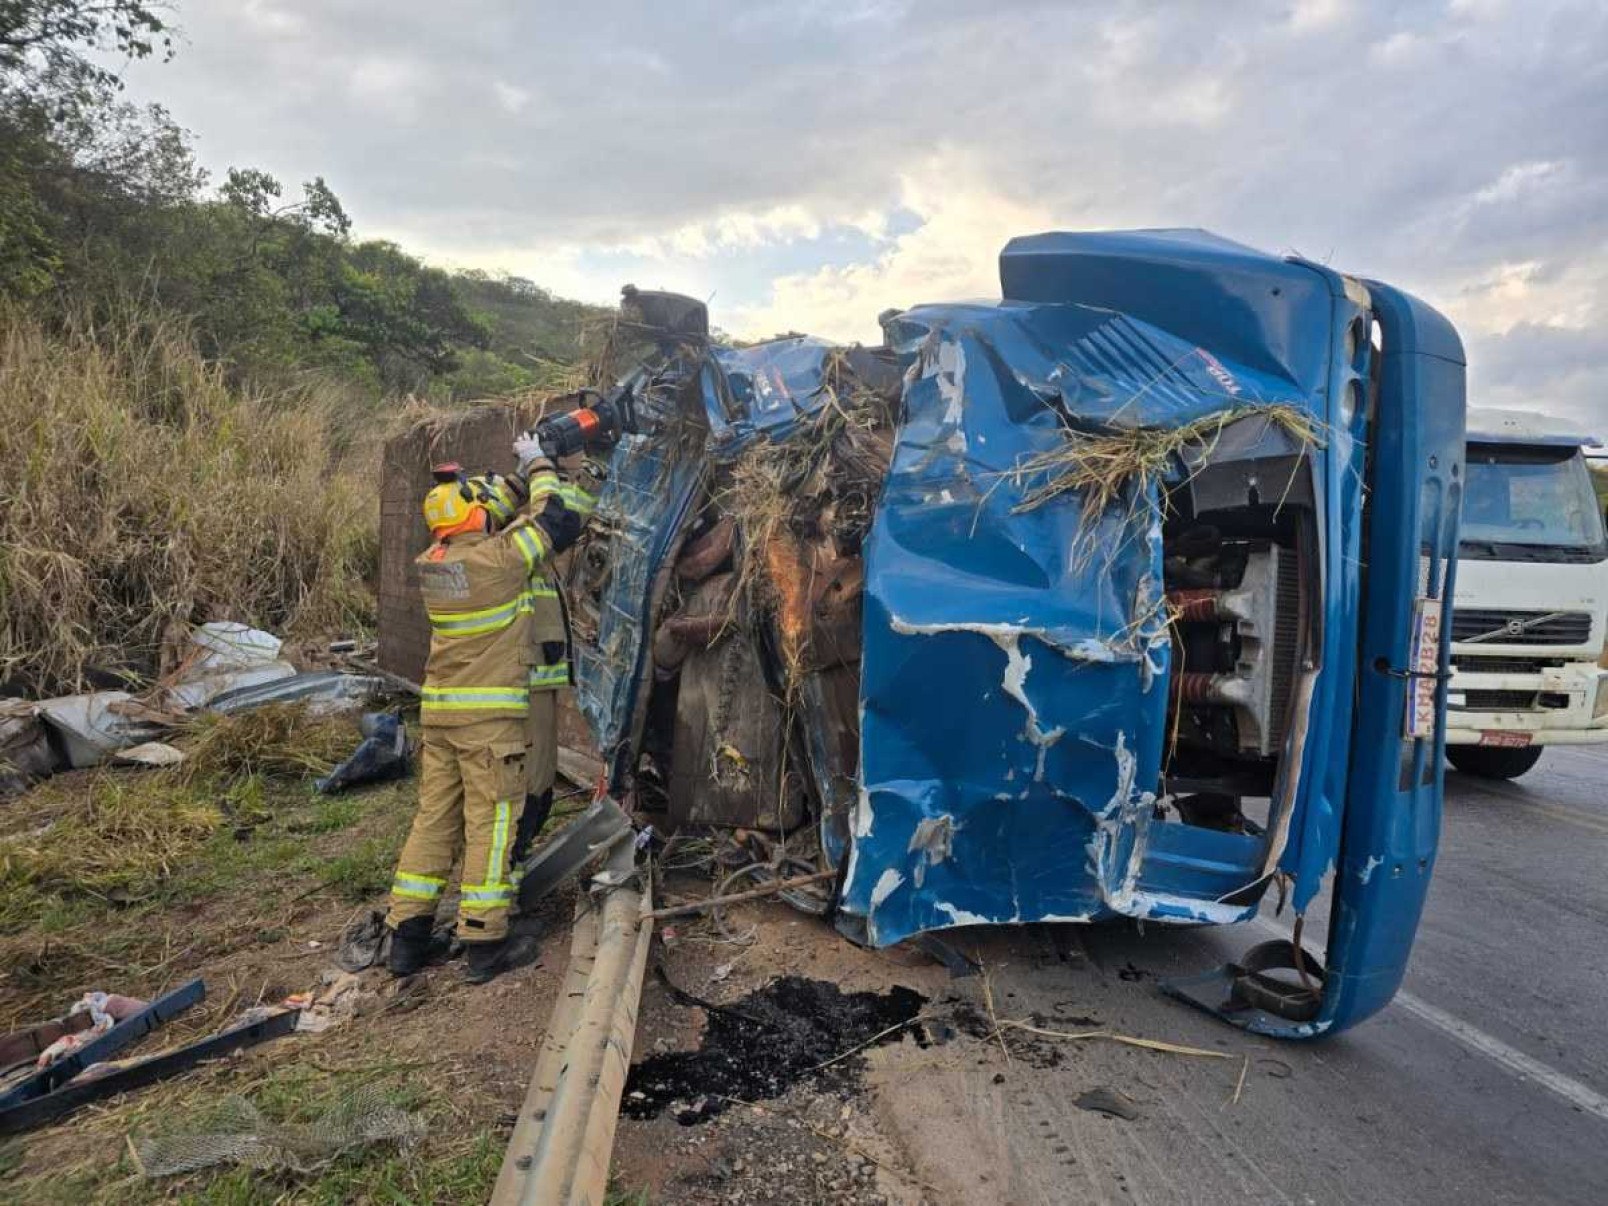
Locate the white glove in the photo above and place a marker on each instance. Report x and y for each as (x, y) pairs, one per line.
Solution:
(528, 449)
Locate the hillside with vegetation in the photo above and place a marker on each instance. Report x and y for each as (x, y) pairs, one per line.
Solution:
(195, 373)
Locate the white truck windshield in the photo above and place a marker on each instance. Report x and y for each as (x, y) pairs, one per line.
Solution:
(1535, 497)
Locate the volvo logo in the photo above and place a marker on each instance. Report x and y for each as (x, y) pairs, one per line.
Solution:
(1515, 627)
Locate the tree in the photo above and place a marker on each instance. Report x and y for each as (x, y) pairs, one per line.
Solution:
(62, 137)
(101, 201)
(45, 44)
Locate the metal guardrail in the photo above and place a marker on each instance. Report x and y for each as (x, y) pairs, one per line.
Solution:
(559, 1152)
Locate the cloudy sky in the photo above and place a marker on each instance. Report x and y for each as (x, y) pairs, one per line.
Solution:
(805, 165)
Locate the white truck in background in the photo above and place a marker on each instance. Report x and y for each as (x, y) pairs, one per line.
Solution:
(1530, 612)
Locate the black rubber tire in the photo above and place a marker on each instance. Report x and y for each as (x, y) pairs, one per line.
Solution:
(1493, 762)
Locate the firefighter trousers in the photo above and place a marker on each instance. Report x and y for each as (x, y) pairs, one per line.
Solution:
(471, 794)
(541, 766)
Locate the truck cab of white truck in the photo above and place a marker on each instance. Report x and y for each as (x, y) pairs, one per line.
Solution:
(1531, 601)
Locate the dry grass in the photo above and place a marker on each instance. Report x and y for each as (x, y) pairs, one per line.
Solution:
(277, 739)
(142, 493)
(819, 484)
(1103, 467)
(117, 841)
(121, 836)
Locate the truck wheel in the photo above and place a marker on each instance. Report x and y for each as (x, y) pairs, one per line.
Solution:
(1492, 763)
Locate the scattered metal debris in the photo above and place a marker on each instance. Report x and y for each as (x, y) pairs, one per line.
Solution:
(224, 656)
(567, 852)
(322, 690)
(83, 1075)
(1113, 1103)
(92, 727)
(42, 1045)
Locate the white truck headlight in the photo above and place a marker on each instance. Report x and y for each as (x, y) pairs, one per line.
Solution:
(1600, 709)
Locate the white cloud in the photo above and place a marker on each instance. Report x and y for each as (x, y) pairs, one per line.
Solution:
(952, 255)
(271, 20)
(1447, 146)
(388, 87)
(1520, 179)
(1314, 16)
(1399, 49)
(511, 97)
(729, 230)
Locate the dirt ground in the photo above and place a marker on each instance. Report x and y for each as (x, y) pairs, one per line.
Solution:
(260, 916)
(824, 1136)
(774, 1061)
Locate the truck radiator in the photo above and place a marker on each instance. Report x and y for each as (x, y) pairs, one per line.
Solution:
(1286, 645)
(1265, 613)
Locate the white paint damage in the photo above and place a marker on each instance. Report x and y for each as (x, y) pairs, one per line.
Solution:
(932, 843)
(961, 916)
(1367, 871)
(1133, 811)
(1017, 665)
(948, 369)
(1084, 649)
(887, 883)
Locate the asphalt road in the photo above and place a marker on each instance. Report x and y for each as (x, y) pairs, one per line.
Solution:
(1486, 1080)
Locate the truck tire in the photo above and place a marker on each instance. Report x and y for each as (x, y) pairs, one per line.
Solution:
(1489, 762)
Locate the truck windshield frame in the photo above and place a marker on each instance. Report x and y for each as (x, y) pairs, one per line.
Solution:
(1530, 503)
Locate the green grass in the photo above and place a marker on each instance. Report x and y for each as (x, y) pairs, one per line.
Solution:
(267, 844)
(373, 1176)
(332, 813)
(363, 872)
(451, 1164)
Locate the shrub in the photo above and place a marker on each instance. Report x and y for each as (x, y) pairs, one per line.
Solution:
(140, 493)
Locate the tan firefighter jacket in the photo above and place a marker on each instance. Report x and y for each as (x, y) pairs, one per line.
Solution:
(498, 630)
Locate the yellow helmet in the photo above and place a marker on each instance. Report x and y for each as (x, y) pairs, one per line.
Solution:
(458, 503)
(451, 506)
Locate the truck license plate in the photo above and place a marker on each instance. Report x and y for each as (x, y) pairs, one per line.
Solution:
(1424, 662)
(1505, 740)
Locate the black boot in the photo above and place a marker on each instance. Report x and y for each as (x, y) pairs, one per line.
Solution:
(410, 946)
(483, 960)
(531, 820)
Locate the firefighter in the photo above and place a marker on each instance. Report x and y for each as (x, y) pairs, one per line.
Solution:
(498, 645)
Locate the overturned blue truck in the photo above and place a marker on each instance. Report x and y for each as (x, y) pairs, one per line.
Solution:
(1118, 597)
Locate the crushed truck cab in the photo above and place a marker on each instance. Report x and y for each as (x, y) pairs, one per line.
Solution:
(1119, 597)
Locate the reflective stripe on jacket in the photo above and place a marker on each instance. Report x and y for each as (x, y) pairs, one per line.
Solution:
(497, 624)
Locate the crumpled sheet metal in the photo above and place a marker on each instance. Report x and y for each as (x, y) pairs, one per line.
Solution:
(1248, 307)
(643, 503)
(1014, 677)
(766, 390)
